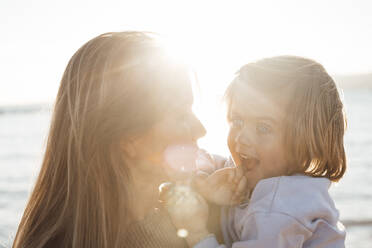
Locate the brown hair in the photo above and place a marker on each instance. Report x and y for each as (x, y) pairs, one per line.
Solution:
(315, 123)
(115, 86)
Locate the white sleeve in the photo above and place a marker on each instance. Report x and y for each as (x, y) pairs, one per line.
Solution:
(221, 162)
(209, 163)
(209, 242)
(274, 230)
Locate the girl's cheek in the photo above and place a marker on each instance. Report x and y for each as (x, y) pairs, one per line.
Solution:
(231, 140)
(269, 141)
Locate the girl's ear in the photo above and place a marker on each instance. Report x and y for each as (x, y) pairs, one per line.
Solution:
(129, 148)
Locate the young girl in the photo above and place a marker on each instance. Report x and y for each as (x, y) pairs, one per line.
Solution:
(286, 131)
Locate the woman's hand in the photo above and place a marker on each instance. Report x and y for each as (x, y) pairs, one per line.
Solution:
(225, 186)
(187, 209)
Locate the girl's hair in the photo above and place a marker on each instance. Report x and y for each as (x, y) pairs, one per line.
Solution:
(315, 121)
(115, 87)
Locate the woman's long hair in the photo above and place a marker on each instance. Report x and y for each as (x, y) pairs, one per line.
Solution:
(112, 89)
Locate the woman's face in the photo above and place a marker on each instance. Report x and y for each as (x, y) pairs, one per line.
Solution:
(179, 126)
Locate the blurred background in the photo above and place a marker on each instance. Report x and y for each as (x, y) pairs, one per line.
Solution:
(216, 37)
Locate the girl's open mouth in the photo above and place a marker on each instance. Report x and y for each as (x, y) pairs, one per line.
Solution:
(248, 162)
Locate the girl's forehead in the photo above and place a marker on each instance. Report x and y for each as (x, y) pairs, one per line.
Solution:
(250, 102)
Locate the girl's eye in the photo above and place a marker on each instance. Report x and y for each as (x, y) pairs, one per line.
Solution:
(263, 128)
(237, 123)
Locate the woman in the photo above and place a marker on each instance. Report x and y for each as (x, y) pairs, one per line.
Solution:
(120, 104)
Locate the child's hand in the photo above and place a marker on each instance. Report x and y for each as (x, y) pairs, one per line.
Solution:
(225, 186)
(187, 209)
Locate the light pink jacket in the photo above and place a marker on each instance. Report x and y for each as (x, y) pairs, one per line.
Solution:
(283, 212)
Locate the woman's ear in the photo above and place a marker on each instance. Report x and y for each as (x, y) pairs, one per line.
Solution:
(129, 148)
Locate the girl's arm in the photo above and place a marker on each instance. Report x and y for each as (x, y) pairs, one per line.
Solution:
(265, 230)
(279, 230)
(209, 241)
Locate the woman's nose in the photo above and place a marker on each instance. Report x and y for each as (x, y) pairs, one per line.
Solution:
(197, 129)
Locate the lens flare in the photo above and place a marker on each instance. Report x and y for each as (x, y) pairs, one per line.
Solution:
(183, 160)
(182, 233)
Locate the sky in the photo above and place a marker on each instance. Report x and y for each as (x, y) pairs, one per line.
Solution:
(39, 37)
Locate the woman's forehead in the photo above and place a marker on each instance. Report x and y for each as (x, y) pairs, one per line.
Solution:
(179, 95)
(184, 97)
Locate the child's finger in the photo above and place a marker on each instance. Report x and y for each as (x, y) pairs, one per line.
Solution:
(199, 198)
(239, 173)
(231, 175)
(242, 199)
(220, 176)
(205, 162)
(242, 186)
(201, 175)
(240, 191)
(219, 161)
(237, 199)
(229, 163)
(200, 181)
(164, 191)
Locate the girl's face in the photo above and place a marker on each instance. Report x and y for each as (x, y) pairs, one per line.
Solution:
(256, 132)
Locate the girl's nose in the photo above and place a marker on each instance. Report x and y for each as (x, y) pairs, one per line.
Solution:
(244, 137)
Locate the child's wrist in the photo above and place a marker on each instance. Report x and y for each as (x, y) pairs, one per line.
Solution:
(195, 237)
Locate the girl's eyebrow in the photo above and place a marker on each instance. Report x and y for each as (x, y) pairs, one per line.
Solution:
(247, 114)
(233, 114)
(268, 118)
